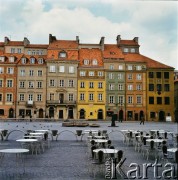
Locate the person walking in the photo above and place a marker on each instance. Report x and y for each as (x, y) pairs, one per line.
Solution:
(142, 120)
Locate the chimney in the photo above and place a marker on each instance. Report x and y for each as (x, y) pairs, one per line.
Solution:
(6, 40)
(26, 41)
(77, 39)
(118, 39)
(102, 43)
(51, 38)
(135, 39)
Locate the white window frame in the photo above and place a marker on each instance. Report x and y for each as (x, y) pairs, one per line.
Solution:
(23, 60)
(120, 67)
(130, 99)
(9, 83)
(111, 99)
(39, 84)
(1, 70)
(61, 83)
(10, 70)
(31, 84)
(71, 97)
(82, 73)
(11, 59)
(70, 83)
(91, 84)
(82, 97)
(61, 69)
(22, 72)
(129, 67)
(139, 77)
(111, 87)
(32, 60)
(94, 62)
(100, 73)
(111, 75)
(91, 73)
(100, 85)
(1, 83)
(52, 68)
(22, 84)
(39, 97)
(130, 76)
(9, 97)
(82, 84)
(51, 82)
(40, 73)
(100, 97)
(21, 97)
(31, 72)
(139, 99)
(120, 87)
(71, 69)
(130, 87)
(91, 96)
(86, 62)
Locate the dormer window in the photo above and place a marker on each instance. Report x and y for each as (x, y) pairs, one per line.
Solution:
(11, 59)
(86, 62)
(62, 54)
(126, 50)
(32, 60)
(40, 61)
(129, 67)
(23, 60)
(95, 62)
(2, 58)
(132, 50)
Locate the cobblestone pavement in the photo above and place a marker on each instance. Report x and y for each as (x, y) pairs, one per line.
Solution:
(68, 159)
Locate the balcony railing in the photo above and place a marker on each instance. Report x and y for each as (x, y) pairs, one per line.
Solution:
(60, 102)
(29, 103)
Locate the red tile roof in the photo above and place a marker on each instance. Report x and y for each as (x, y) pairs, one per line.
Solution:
(63, 44)
(112, 51)
(90, 54)
(15, 43)
(128, 42)
(41, 46)
(1, 44)
(140, 58)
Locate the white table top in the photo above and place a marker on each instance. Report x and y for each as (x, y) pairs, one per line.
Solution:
(92, 130)
(156, 140)
(97, 137)
(14, 150)
(106, 151)
(100, 140)
(32, 136)
(37, 133)
(26, 140)
(144, 136)
(127, 130)
(42, 130)
(172, 150)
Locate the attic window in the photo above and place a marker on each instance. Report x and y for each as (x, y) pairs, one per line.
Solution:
(2, 58)
(11, 59)
(95, 62)
(86, 62)
(32, 60)
(126, 50)
(132, 50)
(62, 54)
(23, 60)
(40, 61)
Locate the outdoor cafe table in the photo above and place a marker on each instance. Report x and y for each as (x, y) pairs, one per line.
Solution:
(156, 140)
(42, 130)
(106, 151)
(37, 133)
(26, 140)
(96, 137)
(100, 140)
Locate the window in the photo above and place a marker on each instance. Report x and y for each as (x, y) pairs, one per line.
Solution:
(52, 68)
(151, 100)
(166, 75)
(129, 76)
(29, 52)
(30, 97)
(91, 85)
(120, 76)
(138, 68)
(130, 99)
(159, 100)
(33, 52)
(9, 83)
(61, 83)
(111, 66)
(91, 73)
(0, 97)
(82, 84)
(139, 99)
(22, 72)
(158, 74)
(159, 87)
(39, 84)
(86, 61)
(37, 52)
(126, 50)
(82, 96)
(71, 83)
(52, 82)
(19, 50)
(120, 87)
(120, 100)
(39, 72)
(120, 67)
(129, 67)
(100, 73)
(40, 61)
(9, 97)
(1, 83)
(32, 60)
(71, 97)
(139, 87)
(91, 97)
(31, 84)
(100, 97)
(71, 69)
(21, 97)
(62, 54)
(111, 99)
(2, 58)
(139, 77)
(39, 97)
(151, 87)
(10, 70)
(22, 84)
(61, 69)
(166, 100)
(132, 50)
(166, 87)
(151, 74)
(41, 52)
(111, 76)
(23, 60)
(152, 115)
(95, 62)
(100, 85)
(82, 73)
(51, 96)
(111, 86)
(12, 50)
(1, 70)
(11, 59)
(130, 87)
(31, 72)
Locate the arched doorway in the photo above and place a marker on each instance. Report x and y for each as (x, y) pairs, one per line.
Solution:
(100, 114)
(11, 113)
(40, 113)
(82, 114)
(70, 113)
(121, 115)
(141, 114)
(161, 116)
(51, 112)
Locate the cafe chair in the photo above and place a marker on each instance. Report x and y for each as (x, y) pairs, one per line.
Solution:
(151, 151)
(54, 133)
(4, 134)
(79, 134)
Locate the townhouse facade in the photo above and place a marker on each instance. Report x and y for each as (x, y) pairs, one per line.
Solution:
(66, 79)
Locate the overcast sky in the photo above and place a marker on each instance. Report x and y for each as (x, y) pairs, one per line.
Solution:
(154, 22)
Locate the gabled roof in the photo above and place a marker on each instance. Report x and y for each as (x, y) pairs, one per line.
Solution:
(63, 44)
(15, 43)
(128, 42)
(41, 46)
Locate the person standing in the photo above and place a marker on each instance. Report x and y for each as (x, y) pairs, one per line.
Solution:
(142, 120)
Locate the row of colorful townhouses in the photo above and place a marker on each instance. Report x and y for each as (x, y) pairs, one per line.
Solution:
(66, 79)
